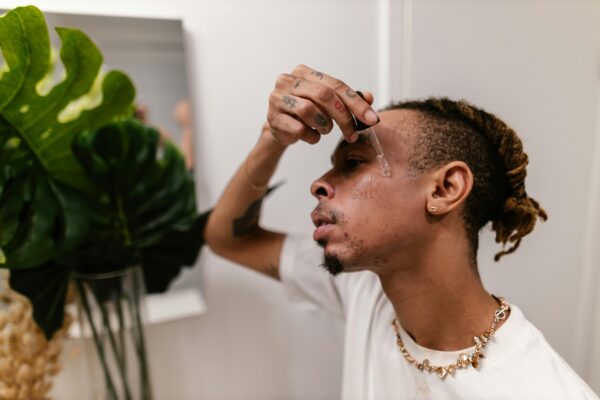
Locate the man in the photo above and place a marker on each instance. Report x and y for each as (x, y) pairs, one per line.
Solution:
(419, 323)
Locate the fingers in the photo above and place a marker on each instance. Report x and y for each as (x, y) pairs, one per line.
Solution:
(303, 110)
(350, 99)
(305, 104)
(288, 130)
(329, 101)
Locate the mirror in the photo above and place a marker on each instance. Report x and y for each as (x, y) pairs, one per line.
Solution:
(151, 52)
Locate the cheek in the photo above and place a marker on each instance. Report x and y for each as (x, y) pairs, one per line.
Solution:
(376, 197)
(365, 219)
(373, 201)
(380, 215)
(377, 216)
(364, 190)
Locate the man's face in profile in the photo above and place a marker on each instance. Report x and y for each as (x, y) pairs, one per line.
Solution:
(363, 218)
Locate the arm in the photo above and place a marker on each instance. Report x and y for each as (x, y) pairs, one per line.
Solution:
(232, 230)
(303, 107)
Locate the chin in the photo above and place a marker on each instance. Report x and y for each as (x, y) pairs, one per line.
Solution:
(335, 263)
(340, 256)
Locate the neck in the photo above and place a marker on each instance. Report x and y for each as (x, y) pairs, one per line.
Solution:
(438, 298)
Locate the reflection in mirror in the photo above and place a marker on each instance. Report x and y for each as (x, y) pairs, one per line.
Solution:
(151, 52)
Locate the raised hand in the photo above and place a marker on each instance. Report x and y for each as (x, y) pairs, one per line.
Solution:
(305, 103)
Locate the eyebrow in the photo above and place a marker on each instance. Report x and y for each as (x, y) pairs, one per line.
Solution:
(362, 139)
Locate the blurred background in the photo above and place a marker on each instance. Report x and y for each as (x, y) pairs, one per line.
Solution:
(536, 64)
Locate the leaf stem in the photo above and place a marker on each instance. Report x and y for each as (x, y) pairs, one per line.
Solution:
(113, 345)
(99, 348)
(122, 328)
(144, 372)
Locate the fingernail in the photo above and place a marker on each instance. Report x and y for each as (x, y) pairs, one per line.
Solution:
(352, 138)
(371, 116)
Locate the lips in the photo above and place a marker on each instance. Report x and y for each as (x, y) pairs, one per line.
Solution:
(323, 223)
(322, 232)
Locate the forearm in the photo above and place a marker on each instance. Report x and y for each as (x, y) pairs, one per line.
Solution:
(232, 230)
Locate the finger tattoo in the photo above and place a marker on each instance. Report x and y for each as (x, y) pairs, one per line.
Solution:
(298, 83)
(338, 105)
(289, 101)
(321, 120)
(317, 74)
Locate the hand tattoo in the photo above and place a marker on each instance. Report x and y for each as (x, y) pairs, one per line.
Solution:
(289, 101)
(321, 120)
(318, 74)
(298, 83)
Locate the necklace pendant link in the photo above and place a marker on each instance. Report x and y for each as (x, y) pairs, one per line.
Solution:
(426, 364)
(500, 314)
(451, 369)
(464, 359)
(442, 372)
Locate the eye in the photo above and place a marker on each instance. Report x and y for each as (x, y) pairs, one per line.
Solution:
(352, 163)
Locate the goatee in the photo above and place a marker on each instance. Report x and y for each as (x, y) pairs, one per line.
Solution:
(332, 264)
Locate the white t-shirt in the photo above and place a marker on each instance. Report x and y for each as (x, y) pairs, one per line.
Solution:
(519, 363)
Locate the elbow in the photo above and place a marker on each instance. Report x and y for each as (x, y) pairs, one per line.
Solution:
(213, 237)
(227, 239)
(219, 239)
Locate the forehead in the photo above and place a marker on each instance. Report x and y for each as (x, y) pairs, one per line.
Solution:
(395, 133)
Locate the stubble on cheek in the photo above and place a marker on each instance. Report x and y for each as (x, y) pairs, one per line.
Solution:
(358, 254)
(367, 243)
(362, 248)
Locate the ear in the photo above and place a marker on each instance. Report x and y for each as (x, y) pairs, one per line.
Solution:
(450, 187)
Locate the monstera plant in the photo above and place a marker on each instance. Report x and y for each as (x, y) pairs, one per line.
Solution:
(83, 187)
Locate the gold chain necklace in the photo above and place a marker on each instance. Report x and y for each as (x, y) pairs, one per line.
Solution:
(463, 359)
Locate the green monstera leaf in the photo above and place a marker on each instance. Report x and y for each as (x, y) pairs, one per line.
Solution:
(41, 210)
(179, 247)
(144, 214)
(46, 288)
(146, 189)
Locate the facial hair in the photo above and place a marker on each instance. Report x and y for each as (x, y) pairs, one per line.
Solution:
(332, 264)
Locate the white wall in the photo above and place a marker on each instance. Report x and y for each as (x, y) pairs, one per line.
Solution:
(588, 318)
(537, 65)
(534, 63)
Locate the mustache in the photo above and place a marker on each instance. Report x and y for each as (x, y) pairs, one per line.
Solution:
(330, 214)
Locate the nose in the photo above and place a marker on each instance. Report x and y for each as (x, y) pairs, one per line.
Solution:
(321, 189)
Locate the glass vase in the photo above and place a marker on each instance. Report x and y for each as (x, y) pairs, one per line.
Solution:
(112, 313)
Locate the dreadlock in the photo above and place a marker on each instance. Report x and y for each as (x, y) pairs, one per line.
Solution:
(458, 131)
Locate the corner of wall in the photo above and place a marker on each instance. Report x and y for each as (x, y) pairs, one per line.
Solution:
(586, 344)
